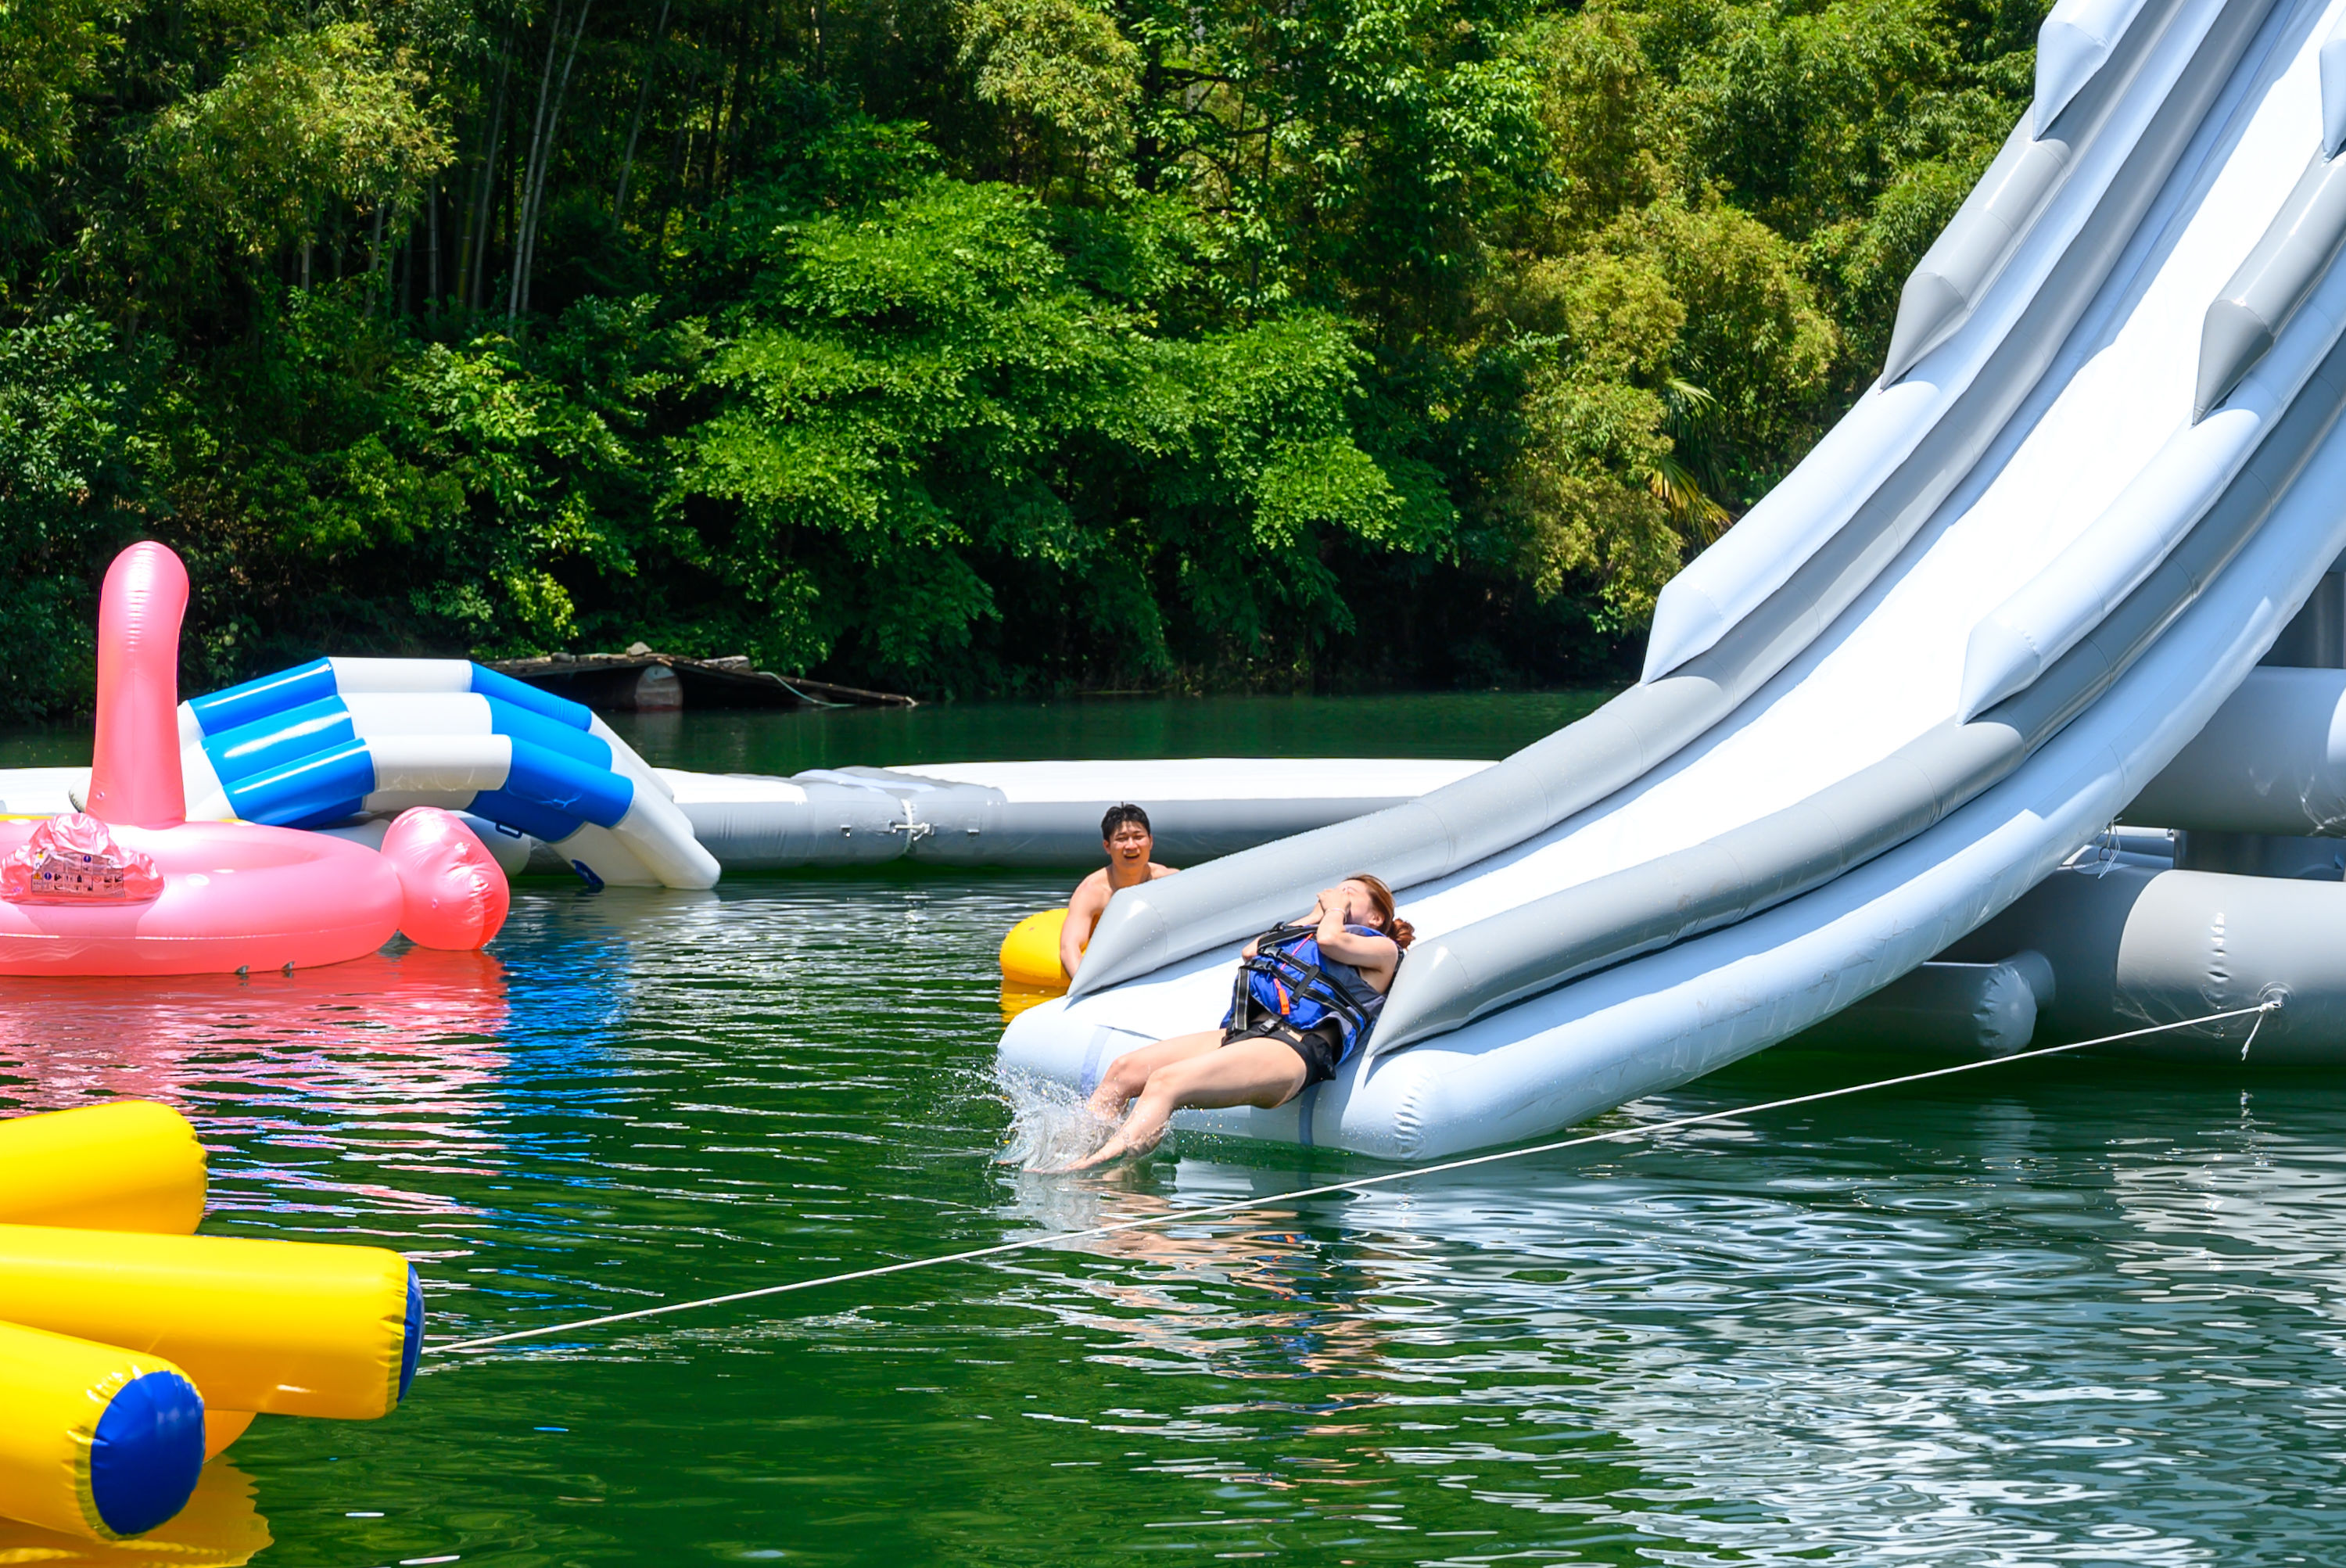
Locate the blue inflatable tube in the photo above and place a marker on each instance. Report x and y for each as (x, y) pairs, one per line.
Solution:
(518, 783)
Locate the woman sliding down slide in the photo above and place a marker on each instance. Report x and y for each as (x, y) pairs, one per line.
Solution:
(1307, 996)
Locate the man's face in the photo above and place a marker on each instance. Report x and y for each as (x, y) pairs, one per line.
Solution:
(1130, 844)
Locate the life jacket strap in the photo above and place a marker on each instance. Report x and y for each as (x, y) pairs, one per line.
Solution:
(1298, 981)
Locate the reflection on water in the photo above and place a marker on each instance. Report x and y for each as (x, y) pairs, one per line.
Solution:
(219, 1528)
(2067, 1312)
(403, 1048)
(422, 1020)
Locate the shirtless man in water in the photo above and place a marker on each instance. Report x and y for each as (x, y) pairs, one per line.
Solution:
(1124, 835)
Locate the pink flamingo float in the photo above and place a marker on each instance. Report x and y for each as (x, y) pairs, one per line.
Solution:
(128, 886)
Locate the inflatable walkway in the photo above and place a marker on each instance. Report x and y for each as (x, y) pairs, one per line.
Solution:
(1036, 813)
(2099, 477)
(550, 790)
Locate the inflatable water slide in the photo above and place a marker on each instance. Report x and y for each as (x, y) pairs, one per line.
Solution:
(1888, 724)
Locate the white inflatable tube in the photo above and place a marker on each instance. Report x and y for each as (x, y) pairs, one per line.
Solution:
(2334, 90)
(2273, 760)
(659, 836)
(1966, 258)
(2131, 946)
(1984, 1009)
(43, 791)
(2258, 302)
(1036, 813)
(2072, 46)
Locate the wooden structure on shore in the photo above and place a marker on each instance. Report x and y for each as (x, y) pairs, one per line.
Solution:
(642, 681)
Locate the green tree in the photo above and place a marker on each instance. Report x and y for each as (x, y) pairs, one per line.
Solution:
(73, 490)
(924, 392)
(981, 345)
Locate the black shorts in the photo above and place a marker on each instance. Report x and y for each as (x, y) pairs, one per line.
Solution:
(1321, 1046)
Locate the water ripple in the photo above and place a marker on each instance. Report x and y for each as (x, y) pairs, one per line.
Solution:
(2077, 1314)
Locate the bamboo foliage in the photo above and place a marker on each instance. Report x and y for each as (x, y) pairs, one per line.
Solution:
(958, 344)
(541, 151)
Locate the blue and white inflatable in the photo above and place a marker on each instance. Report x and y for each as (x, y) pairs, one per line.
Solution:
(341, 745)
(342, 738)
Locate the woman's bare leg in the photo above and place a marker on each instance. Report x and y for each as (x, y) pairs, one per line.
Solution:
(1126, 1074)
(1263, 1072)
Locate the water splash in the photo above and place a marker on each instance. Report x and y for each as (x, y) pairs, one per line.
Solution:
(1051, 1126)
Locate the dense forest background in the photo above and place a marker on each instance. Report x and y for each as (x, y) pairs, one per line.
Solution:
(957, 345)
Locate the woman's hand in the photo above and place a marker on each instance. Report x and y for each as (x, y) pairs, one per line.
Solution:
(1327, 915)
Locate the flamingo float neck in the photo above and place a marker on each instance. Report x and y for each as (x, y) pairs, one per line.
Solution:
(135, 779)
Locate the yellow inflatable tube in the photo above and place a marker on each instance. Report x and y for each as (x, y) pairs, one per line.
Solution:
(95, 1442)
(132, 1164)
(221, 1428)
(288, 1328)
(129, 1164)
(1030, 953)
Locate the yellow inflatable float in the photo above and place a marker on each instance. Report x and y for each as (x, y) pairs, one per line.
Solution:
(130, 1165)
(101, 1442)
(1030, 963)
(1030, 953)
(133, 1351)
(281, 1327)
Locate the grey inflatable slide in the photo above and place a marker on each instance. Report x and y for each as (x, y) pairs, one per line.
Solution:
(1994, 606)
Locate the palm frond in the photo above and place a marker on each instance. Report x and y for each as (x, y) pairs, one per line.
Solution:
(1690, 508)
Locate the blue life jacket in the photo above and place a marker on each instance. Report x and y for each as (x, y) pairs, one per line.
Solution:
(1287, 976)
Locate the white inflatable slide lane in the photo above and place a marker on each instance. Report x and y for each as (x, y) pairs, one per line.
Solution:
(1991, 606)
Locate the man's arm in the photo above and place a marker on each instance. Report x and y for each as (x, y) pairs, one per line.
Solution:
(1084, 910)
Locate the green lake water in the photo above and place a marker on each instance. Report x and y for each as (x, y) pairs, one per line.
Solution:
(1466, 724)
(2072, 1313)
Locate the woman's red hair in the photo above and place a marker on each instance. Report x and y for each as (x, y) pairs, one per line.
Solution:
(1387, 919)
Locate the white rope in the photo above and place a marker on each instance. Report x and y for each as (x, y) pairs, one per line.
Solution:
(1360, 1183)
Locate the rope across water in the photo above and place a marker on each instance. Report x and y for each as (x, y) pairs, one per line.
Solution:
(1358, 1184)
